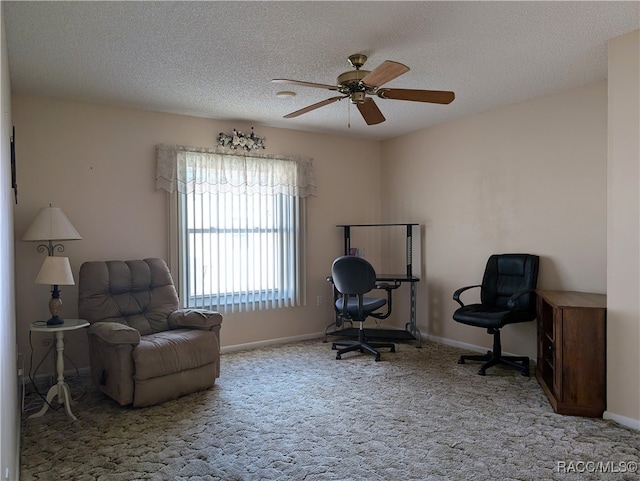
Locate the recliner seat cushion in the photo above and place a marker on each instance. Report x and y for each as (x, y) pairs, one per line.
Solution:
(169, 352)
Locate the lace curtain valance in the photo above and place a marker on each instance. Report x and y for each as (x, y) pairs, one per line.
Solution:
(192, 169)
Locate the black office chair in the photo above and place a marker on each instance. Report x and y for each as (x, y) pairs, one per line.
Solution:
(507, 296)
(353, 277)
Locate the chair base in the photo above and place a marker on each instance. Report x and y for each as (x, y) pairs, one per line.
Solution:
(495, 357)
(350, 346)
(361, 345)
(519, 363)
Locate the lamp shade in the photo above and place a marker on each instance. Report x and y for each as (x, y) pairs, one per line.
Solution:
(55, 271)
(51, 224)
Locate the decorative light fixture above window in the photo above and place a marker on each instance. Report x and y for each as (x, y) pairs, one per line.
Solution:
(238, 140)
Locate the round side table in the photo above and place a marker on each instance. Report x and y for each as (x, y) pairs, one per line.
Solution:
(61, 389)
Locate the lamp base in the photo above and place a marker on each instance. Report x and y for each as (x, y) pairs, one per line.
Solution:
(55, 321)
(55, 308)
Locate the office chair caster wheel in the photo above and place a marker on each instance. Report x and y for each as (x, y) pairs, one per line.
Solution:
(393, 349)
(378, 358)
(460, 361)
(338, 356)
(481, 372)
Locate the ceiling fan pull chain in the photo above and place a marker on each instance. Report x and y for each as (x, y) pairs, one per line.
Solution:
(348, 115)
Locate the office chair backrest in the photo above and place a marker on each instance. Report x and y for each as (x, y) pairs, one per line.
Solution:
(507, 274)
(353, 275)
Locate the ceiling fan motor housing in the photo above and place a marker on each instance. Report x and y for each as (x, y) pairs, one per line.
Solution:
(358, 97)
(350, 83)
(352, 77)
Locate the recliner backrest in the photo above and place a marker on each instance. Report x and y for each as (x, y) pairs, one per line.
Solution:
(506, 274)
(138, 293)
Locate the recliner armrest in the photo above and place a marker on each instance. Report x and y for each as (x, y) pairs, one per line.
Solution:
(511, 302)
(456, 295)
(194, 319)
(115, 333)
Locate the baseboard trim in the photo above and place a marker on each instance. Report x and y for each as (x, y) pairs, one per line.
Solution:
(270, 342)
(624, 420)
(451, 342)
(465, 346)
(474, 348)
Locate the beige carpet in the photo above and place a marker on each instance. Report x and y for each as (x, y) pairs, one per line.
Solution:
(293, 412)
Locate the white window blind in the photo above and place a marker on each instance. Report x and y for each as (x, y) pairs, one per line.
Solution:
(240, 226)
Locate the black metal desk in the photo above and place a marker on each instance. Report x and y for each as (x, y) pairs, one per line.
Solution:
(411, 331)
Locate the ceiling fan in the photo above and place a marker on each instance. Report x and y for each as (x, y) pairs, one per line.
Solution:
(358, 85)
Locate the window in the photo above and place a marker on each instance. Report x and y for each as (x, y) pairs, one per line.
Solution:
(239, 227)
(240, 250)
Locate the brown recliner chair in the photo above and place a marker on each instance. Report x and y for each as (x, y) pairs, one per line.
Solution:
(143, 349)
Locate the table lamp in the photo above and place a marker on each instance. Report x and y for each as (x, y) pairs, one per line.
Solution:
(55, 271)
(51, 225)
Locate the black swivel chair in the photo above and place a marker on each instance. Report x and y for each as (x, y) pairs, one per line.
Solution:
(507, 296)
(353, 277)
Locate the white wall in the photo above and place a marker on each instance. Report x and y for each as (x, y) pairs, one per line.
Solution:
(527, 178)
(97, 163)
(9, 406)
(623, 242)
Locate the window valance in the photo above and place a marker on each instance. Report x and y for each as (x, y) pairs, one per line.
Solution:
(194, 169)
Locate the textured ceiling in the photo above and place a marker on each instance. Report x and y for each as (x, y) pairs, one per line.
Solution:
(216, 59)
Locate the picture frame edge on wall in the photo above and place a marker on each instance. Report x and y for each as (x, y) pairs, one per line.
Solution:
(14, 182)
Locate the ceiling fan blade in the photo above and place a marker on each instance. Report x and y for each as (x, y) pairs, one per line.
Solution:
(383, 73)
(304, 84)
(314, 106)
(370, 112)
(431, 96)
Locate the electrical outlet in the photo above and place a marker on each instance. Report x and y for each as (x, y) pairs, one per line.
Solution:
(320, 300)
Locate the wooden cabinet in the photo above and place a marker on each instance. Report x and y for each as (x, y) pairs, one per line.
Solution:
(571, 365)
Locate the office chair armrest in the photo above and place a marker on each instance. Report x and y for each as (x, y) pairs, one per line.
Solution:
(345, 304)
(511, 302)
(456, 295)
